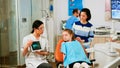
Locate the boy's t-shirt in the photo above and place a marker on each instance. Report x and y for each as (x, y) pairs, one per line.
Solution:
(70, 22)
(73, 52)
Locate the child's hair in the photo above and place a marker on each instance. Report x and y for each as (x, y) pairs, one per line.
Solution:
(75, 10)
(71, 33)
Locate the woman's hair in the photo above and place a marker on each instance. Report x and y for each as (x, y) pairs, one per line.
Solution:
(71, 33)
(36, 24)
(88, 13)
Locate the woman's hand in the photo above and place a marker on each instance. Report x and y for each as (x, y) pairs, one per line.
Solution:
(42, 52)
(46, 53)
(80, 40)
(29, 43)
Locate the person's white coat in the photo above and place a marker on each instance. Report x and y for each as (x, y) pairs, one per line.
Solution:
(32, 59)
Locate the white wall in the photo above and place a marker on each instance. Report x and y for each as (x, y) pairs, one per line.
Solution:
(97, 8)
(60, 12)
(39, 9)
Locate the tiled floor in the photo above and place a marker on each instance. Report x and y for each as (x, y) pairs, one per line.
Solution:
(23, 66)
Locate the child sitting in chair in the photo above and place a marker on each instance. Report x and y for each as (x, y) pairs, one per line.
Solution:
(74, 55)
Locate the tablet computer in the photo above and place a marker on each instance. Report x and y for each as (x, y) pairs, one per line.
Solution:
(36, 46)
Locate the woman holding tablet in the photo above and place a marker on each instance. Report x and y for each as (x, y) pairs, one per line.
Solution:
(36, 58)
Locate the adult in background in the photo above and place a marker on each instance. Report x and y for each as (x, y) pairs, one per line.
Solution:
(83, 29)
(72, 19)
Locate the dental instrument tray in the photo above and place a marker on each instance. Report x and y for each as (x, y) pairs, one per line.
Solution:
(102, 31)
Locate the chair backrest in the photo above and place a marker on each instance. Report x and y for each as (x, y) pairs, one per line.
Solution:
(58, 54)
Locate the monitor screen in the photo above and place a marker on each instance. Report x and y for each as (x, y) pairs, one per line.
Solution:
(36, 45)
(115, 9)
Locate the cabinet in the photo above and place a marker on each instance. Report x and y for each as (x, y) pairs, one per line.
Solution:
(102, 39)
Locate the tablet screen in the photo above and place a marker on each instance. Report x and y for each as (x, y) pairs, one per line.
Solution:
(36, 45)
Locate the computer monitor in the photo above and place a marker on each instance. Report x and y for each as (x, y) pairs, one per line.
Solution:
(115, 9)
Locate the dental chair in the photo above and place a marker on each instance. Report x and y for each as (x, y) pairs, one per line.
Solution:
(59, 56)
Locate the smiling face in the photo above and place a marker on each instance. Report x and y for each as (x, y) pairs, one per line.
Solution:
(66, 36)
(83, 16)
(40, 29)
